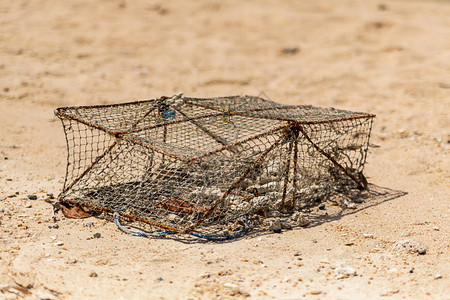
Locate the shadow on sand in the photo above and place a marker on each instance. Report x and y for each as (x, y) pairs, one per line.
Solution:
(338, 206)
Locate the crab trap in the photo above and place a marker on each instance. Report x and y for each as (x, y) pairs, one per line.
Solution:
(196, 166)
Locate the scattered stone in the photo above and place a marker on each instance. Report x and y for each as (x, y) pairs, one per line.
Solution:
(50, 195)
(411, 271)
(225, 272)
(263, 189)
(390, 293)
(444, 85)
(244, 184)
(173, 218)
(205, 275)
(315, 292)
(97, 235)
(322, 206)
(159, 279)
(302, 221)
(393, 270)
(230, 285)
(438, 276)
(28, 205)
(344, 269)
(89, 224)
(273, 214)
(401, 132)
(351, 205)
(55, 226)
(290, 50)
(382, 7)
(436, 228)
(44, 296)
(358, 200)
(368, 235)
(93, 274)
(32, 197)
(275, 226)
(411, 246)
(59, 243)
(295, 216)
(285, 225)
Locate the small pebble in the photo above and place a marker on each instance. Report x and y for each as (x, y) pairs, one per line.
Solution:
(411, 245)
(444, 85)
(345, 270)
(438, 276)
(32, 197)
(59, 243)
(368, 235)
(290, 50)
(286, 225)
(411, 271)
(44, 296)
(230, 285)
(275, 226)
(351, 205)
(393, 270)
(97, 235)
(55, 226)
(273, 214)
(382, 6)
(93, 274)
(159, 279)
(322, 206)
(89, 224)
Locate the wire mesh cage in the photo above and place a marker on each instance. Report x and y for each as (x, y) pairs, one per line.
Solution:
(196, 166)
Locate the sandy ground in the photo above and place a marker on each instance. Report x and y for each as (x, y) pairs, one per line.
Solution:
(391, 58)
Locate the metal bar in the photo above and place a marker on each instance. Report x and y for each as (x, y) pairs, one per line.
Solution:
(294, 177)
(362, 116)
(286, 178)
(131, 217)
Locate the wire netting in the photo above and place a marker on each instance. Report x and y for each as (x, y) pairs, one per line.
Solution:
(207, 166)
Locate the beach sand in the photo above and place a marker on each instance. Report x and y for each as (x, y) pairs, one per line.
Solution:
(390, 58)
